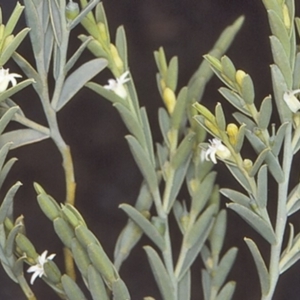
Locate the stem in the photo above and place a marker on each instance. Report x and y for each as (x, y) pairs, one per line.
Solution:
(168, 258)
(281, 216)
(25, 288)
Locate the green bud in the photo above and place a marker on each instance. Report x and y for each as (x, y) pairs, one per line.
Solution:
(26, 246)
(52, 272)
(72, 10)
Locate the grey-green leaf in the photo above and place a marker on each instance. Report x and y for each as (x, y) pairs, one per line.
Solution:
(78, 79)
(262, 270)
(143, 162)
(160, 274)
(21, 137)
(145, 225)
(255, 221)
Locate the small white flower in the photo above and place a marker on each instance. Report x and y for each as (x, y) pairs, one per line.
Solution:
(6, 78)
(117, 85)
(291, 100)
(215, 148)
(38, 269)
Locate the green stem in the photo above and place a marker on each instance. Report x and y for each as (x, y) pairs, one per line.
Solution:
(168, 258)
(281, 217)
(25, 288)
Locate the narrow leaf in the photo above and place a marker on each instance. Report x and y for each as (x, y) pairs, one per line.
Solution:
(262, 270)
(160, 274)
(21, 137)
(145, 225)
(78, 79)
(256, 222)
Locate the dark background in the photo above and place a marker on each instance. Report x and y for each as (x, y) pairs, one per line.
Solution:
(105, 171)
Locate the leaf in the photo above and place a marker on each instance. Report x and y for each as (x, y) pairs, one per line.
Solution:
(218, 232)
(145, 225)
(143, 162)
(172, 74)
(5, 170)
(109, 95)
(83, 13)
(78, 79)
(71, 62)
(147, 135)
(277, 143)
(121, 45)
(7, 204)
(255, 221)
(36, 33)
(262, 187)
(184, 287)
(178, 179)
(240, 177)
(227, 291)
(13, 19)
(71, 289)
(258, 162)
(29, 71)
(199, 227)
(235, 100)
(96, 285)
(279, 30)
(6, 118)
(248, 89)
(12, 46)
(193, 252)
(265, 113)
(201, 194)
(55, 17)
(263, 274)
(178, 115)
(48, 47)
(13, 90)
(281, 59)
(119, 290)
(236, 197)
(279, 88)
(220, 117)
(164, 124)
(21, 137)
(183, 151)
(130, 121)
(224, 267)
(161, 276)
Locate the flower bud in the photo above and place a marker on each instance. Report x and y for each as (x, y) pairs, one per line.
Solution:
(247, 164)
(169, 99)
(212, 127)
(102, 31)
(116, 57)
(232, 131)
(72, 10)
(239, 76)
(286, 17)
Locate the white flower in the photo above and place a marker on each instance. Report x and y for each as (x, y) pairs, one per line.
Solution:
(291, 100)
(215, 148)
(117, 85)
(38, 269)
(5, 78)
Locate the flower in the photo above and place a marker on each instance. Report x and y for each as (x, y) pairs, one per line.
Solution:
(215, 148)
(5, 78)
(117, 85)
(38, 269)
(291, 100)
